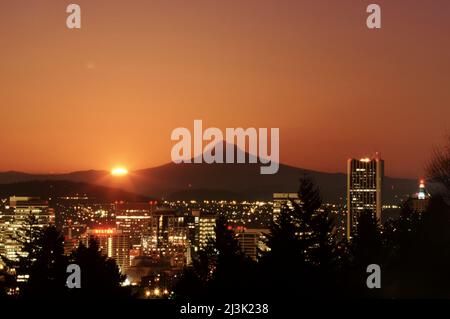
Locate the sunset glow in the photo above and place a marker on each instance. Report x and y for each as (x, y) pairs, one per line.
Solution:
(119, 171)
(312, 66)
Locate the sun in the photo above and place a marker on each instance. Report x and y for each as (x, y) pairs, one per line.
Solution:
(119, 171)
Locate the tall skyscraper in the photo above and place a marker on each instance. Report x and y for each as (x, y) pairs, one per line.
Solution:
(167, 237)
(364, 189)
(203, 228)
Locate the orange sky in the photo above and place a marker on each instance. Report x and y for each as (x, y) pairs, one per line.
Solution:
(113, 91)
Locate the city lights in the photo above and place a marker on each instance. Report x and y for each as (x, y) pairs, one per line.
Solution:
(223, 159)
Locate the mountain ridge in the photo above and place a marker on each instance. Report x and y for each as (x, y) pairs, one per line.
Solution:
(232, 181)
(242, 180)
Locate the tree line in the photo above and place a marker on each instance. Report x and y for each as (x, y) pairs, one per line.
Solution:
(304, 259)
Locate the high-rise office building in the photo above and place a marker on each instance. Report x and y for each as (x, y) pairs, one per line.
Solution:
(18, 219)
(113, 244)
(203, 228)
(200, 227)
(364, 189)
(167, 237)
(133, 219)
(167, 227)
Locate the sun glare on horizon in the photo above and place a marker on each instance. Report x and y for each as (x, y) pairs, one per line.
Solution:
(119, 171)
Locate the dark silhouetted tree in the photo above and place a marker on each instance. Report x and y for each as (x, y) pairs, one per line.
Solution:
(423, 255)
(366, 248)
(220, 271)
(100, 276)
(47, 273)
(232, 275)
(438, 168)
(303, 256)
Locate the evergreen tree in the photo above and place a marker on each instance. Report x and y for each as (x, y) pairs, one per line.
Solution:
(220, 271)
(193, 282)
(302, 252)
(47, 274)
(232, 275)
(420, 271)
(438, 168)
(366, 248)
(100, 276)
(284, 265)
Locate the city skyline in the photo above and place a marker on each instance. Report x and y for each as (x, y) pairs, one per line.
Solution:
(111, 92)
(222, 158)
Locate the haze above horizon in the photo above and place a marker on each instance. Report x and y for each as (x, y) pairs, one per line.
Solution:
(113, 91)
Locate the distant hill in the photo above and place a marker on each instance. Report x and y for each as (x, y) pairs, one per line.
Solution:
(243, 181)
(219, 181)
(53, 189)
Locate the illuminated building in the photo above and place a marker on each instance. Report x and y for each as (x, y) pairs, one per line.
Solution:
(364, 189)
(283, 199)
(167, 237)
(204, 228)
(133, 219)
(113, 244)
(251, 240)
(422, 194)
(167, 227)
(18, 220)
(419, 202)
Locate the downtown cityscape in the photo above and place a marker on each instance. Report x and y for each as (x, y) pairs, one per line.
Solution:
(215, 159)
(153, 241)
